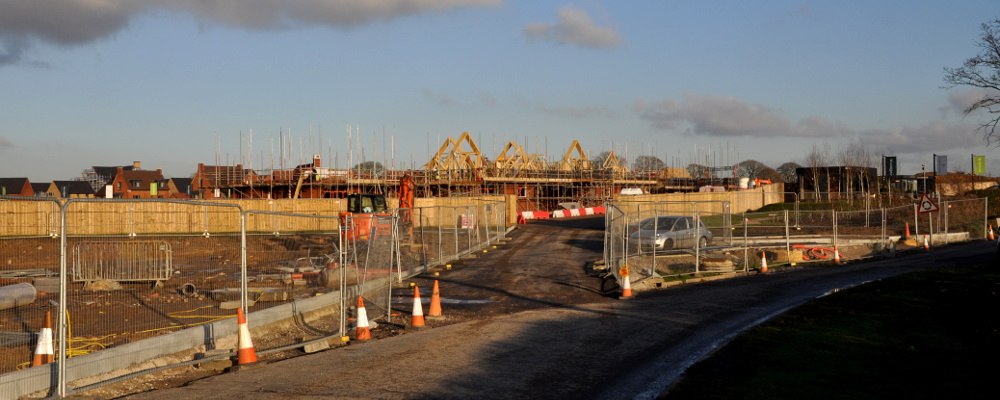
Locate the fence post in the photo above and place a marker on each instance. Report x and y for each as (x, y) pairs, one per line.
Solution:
(746, 244)
(63, 321)
(788, 240)
(834, 212)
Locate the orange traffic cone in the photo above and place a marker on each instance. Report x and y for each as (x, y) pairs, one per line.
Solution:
(763, 262)
(362, 332)
(43, 351)
(626, 283)
(907, 233)
(435, 311)
(418, 309)
(991, 233)
(245, 354)
(836, 255)
(927, 244)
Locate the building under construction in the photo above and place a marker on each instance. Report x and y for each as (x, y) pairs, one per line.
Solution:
(459, 168)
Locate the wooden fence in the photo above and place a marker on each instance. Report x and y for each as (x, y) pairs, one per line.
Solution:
(41, 217)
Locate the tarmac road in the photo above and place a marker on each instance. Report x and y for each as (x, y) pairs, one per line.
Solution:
(547, 333)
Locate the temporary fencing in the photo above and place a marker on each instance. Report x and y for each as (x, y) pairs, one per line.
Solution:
(126, 279)
(443, 234)
(741, 241)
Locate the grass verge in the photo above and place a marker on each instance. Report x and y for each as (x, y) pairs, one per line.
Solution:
(933, 334)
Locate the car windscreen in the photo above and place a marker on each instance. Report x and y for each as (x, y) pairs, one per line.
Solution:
(663, 224)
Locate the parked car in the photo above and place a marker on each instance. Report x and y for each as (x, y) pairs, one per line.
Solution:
(667, 232)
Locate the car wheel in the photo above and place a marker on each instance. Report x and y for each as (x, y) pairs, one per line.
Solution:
(703, 242)
(668, 245)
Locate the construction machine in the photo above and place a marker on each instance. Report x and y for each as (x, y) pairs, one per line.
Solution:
(368, 215)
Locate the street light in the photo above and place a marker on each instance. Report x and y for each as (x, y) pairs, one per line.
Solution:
(923, 174)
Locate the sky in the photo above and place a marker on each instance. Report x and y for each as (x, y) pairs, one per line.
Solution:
(174, 83)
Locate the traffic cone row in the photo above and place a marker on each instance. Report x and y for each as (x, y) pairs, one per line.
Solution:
(907, 233)
(246, 353)
(362, 332)
(836, 255)
(763, 262)
(927, 244)
(43, 350)
(991, 232)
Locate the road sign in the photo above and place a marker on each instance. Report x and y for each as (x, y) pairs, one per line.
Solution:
(926, 205)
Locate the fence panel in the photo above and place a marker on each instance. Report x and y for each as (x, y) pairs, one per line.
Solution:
(964, 216)
(144, 268)
(29, 279)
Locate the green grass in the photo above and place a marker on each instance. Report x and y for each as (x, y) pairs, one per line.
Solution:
(932, 334)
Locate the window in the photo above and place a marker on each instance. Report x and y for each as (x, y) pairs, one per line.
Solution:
(135, 183)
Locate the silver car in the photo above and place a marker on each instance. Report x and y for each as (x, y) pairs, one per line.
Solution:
(667, 232)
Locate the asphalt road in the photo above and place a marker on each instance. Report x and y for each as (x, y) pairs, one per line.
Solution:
(542, 329)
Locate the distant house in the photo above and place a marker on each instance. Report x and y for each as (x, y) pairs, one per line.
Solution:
(210, 179)
(16, 187)
(41, 189)
(70, 189)
(135, 184)
(180, 188)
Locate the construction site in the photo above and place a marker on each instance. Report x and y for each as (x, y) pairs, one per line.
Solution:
(459, 168)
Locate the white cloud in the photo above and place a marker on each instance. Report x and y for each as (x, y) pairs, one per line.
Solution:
(712, 115)
(74, 22)
(934, 137)
(574, 26)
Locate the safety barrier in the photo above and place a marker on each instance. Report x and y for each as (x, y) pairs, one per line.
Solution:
(524, 216)
(577, 212)
(740, 242)
(126, 294)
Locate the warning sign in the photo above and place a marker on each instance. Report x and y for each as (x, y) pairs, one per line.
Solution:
(926, 205)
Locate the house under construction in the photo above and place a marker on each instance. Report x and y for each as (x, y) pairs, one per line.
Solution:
(459, 168)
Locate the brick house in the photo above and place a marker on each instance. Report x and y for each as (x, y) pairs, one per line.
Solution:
(210, 180)
(41, 189)
(16, 187)
(70, 189)
(180, 188)
(136, 184)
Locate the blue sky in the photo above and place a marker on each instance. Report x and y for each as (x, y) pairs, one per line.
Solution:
(172, 83)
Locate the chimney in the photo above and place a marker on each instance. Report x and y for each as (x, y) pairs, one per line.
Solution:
(136, 165)
(316, 161)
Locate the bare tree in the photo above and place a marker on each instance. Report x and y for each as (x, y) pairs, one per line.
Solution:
(648, 163)
(982, 71)
(787, 171)
(698, 171)
(817, 160)
(770, 174)
(751, 169)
